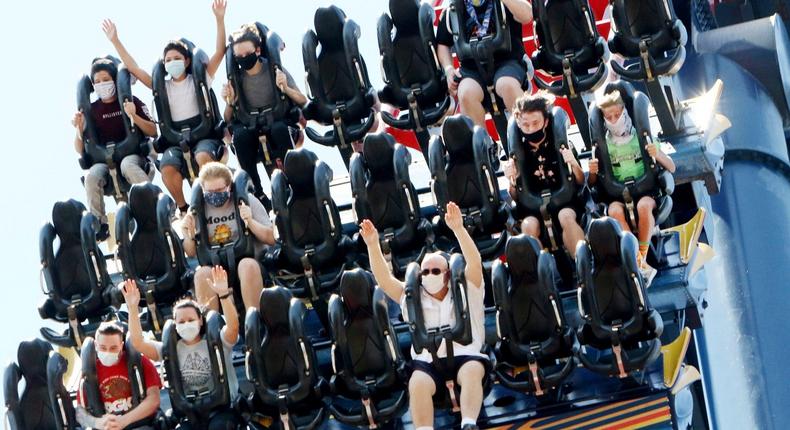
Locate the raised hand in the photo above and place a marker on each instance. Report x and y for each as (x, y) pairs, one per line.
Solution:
(110, 30)
(368, 232)
(245, 213)
(453, 217)
(220, 281)
(131, 294)
(228, 93)
(218, 7)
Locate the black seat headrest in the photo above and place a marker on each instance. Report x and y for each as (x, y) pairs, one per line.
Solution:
(457, 136)
(143, 199)
(356, 289)
(405, 15)
(522, 254)
(378, 150)
(328, 22)
(299, 166)
(275, 306)
(32, 358)
(604, 239)
(66, 217)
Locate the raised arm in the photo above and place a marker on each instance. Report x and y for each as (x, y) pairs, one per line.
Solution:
(381, 271)
(219, 285)
(112, 35)
(218, 7)
(131, 294)
(474, 263)
(521, 10)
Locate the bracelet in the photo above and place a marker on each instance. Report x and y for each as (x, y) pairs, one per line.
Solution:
(228, 294)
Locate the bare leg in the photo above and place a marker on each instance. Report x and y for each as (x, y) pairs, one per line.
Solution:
(616, 210)
(470, 378)
(173, 180)
(470, 96)
(202, 158)
(509, 89)
(572, 233)
(531, 227)
(421, 391)
(645, 208)
(250, 282)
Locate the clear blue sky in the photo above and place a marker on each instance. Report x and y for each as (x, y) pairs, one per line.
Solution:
(46, 47)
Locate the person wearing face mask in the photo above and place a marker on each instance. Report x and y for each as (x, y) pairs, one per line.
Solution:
(115, 388)
(108, 122)
(224, 228)
(510, 71)
(193, 353)
(542, 165)
(470, 365)
(258, 91)
(182, 99)
(625, 155)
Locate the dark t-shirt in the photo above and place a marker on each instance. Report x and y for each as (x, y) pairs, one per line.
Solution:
(259, 89)
(542, 165)
(109, 120)
(445, 37)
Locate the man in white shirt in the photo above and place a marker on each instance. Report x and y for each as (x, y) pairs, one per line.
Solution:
(469, 364)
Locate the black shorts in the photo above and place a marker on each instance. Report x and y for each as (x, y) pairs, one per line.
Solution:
(459, 361)
(173, 156)
(512, 68)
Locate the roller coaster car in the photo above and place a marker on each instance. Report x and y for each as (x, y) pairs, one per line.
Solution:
(536, 348)
(614, 304)
(463, 171)
(281, 363)
(311, 251)
(482, 51)
(187, 133)
(415, 81)
(73, 276)
(570, 48)
(383, 193)
(369, 383)
(151, 254)
(262, 119)
(340, 92)
(110, 153)
(33, 409)
(655, 182)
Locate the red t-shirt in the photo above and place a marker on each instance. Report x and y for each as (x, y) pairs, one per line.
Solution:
(109, 119)
(115, 387)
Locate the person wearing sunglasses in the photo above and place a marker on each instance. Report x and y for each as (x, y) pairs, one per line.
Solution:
(469, 363)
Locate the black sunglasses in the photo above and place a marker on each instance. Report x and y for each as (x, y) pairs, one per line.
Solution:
(434, 271)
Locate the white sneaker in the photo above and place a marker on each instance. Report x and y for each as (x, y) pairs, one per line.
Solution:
(648, 273)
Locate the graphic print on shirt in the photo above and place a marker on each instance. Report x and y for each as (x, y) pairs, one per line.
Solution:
(196, 370)
(118, 391)
(222, 231)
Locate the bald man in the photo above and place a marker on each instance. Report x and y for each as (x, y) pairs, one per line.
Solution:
(469, 364)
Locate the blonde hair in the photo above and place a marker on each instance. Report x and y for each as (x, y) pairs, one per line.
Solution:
(214, 170)
(611, 99)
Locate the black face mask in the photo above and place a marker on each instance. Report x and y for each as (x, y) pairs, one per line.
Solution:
(535, 137)
(248, 61)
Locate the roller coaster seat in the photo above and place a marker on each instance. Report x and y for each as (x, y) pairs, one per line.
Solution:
(200, 408)
(383, 193)
(311, 245)
(463, 171)
(415, 81)
(613, 302)
(570, 47)
(151, 253)
(64, 415)
(340, 93)
(656, 182)
(536, 347)
(33, 409)
(368, 383)
(649, 33)
(73, 276)
(281, 362)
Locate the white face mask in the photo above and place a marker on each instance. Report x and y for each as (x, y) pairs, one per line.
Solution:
(107, 358)
(433, 283)
(188, 330)
(105, 90)
(175, 68)
(620, 130)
